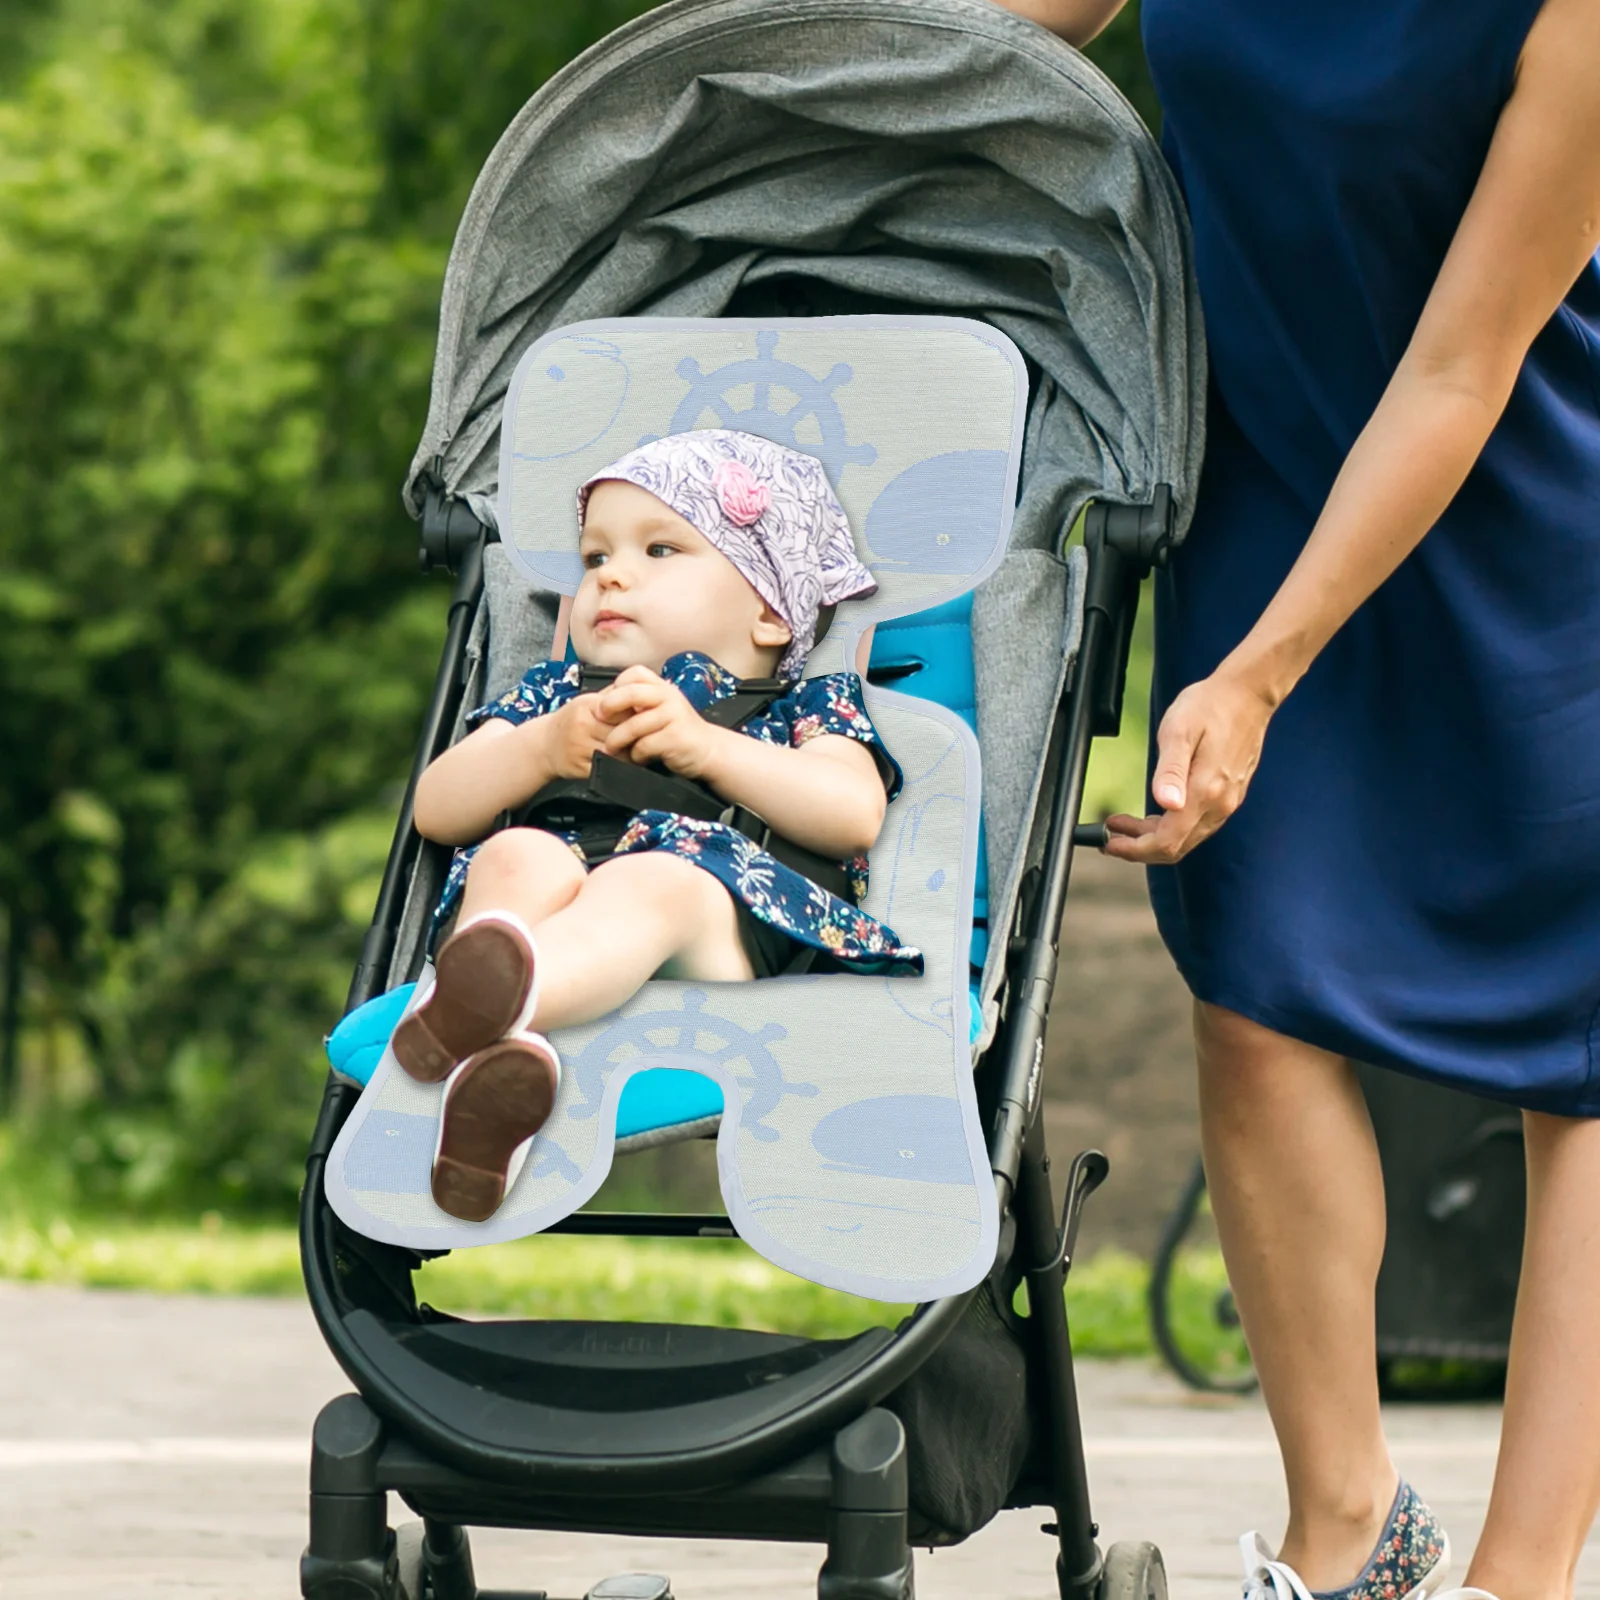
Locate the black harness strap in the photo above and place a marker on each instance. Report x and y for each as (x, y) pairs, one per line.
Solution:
(750, 700)
(598, 808)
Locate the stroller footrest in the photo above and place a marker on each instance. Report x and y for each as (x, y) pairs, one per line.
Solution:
(600, 1404)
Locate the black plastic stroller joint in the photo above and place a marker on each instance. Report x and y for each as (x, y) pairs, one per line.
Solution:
(1142, 533)
(450, 530)
(1124, 544)
(352, 1551)
(869, 1556)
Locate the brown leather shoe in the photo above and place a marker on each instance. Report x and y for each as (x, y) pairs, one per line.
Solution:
(493, 1105)
(485, 987)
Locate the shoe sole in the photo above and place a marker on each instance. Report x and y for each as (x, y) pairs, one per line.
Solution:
(497, 1102)
(481, 983)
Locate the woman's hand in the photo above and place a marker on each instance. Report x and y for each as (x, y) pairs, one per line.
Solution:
(649, 719)
(1209, 746)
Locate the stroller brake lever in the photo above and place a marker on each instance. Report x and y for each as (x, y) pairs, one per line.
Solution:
(1088, 1171)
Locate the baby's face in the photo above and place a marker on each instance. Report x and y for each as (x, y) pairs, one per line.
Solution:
(654, 585)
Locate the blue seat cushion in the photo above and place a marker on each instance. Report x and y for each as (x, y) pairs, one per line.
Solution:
(356, 1046)
(663, 1097)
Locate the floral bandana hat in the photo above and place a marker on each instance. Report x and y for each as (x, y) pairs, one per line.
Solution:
(770, 510)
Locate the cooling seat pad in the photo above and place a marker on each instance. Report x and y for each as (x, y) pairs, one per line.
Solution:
(852, 1152)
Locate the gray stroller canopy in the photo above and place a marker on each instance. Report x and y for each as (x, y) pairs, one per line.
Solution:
(916, 155)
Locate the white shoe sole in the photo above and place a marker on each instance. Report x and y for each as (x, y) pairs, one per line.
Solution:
(486, 987)
(493, 1107)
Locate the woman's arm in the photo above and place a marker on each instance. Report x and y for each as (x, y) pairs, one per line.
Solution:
(828, 795)
(1532, 226)
(1077, 21)
(505, 764)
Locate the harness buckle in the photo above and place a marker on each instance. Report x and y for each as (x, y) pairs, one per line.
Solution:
(751, 824)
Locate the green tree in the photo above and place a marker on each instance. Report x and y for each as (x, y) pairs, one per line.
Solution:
(1119, 53)
(211, 372)
(222, 229)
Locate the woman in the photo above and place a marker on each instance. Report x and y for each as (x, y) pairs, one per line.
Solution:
(1396, 209)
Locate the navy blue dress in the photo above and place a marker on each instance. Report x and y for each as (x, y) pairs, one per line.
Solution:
(1414, 878)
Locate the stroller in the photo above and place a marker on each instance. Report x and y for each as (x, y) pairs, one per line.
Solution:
(837, 166)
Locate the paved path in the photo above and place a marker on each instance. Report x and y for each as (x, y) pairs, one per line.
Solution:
(157, 1447)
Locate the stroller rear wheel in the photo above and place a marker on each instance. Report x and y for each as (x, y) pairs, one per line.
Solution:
(1133, 1571)
(434, 1561)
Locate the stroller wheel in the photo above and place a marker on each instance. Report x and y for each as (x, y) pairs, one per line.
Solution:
(408, 1552)
(434, 1562)
(1133, 1572)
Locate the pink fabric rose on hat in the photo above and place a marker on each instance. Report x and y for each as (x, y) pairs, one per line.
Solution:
(744, 498)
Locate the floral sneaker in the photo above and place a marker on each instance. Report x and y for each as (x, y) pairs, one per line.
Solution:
(1411, 1562)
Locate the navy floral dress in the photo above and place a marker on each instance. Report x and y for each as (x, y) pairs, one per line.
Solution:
(775, 894)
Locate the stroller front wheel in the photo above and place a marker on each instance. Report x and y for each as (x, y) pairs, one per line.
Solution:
(1133, 1571)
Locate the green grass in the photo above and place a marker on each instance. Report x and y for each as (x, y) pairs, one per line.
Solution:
(167, 1258)
(1199, 1284)
(720, 1282)
(717, 1282)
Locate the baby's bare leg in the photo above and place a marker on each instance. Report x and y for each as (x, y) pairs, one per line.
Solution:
(524, 870)
(634, 917)
(484, 984)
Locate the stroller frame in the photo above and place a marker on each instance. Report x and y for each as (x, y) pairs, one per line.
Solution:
(815, 1456)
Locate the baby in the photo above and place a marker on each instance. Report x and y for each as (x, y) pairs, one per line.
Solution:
(708, 560)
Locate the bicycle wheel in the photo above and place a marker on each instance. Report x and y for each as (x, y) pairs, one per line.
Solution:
(1193, 1319)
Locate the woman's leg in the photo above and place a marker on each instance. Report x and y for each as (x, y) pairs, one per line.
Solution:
(1297, 1192)
(1547, 1483)
(633, 917)
(524, 870)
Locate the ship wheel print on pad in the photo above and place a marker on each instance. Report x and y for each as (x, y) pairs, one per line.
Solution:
(766, 374)
(632, 1036)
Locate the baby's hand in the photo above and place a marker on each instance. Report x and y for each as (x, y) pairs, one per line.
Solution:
(580, 730)
(651, 720)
